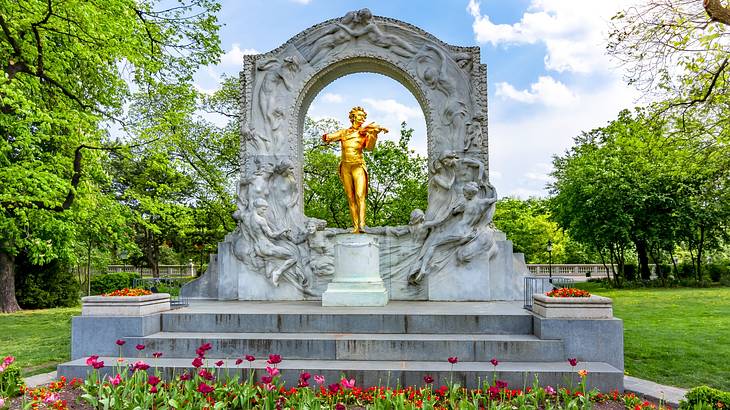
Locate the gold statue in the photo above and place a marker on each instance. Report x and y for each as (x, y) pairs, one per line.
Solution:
(352, 170)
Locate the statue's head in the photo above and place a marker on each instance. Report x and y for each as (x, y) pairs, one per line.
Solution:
(449, 158)
(365, 15)
(470, 189)
(261, 206)
(285, 167)
(417, 216)
(358, 114)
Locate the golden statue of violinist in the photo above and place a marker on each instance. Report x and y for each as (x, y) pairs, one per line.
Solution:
(352, 170)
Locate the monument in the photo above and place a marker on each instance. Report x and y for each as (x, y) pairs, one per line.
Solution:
(383, 303)
(449, 252)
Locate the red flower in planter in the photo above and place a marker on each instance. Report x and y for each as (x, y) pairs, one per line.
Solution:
(568, 293)
(153, 380)
(98, 365)
(205, 374)
(157, 355)
(219, 363)
(494, 362)
(185, 376)
(266, 379)
(239, 361)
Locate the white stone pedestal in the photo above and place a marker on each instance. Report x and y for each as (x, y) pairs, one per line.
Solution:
(125, 305)
(357, 280)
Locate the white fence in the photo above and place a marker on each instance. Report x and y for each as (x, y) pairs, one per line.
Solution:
(576, 271)
(165, 270)
(569, 271)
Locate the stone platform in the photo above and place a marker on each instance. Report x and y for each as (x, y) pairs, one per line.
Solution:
(401, 341)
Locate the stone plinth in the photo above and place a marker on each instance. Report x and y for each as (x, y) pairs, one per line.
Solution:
(357, 280)
(593, 307)
(125, 305)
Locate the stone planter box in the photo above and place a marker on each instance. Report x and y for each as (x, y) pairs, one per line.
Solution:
(593, 307)
(125, 305)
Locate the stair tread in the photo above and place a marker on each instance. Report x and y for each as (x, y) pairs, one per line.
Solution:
(396, 365)
(347, 336)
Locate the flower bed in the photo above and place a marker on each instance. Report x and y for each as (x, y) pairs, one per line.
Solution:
(207, 385)
(129, 292)
(568, 293)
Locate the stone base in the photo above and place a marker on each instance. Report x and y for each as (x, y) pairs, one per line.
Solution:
(355, 294)
(593, 307)
(125, 305)
(357, 280)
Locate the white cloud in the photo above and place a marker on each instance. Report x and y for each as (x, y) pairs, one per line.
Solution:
(234, 56)
(573, 31)
(332, 98)
(546, 90)
(392, 108)
(521, 144)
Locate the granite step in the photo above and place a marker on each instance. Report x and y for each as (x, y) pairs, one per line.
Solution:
(392, 373)
(401, 323)
(353, 346)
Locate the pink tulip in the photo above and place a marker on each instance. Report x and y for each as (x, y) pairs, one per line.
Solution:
(273, 371)
(319, 379)
(115, 380)
(348, 384)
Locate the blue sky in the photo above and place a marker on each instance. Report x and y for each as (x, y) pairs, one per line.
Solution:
(549, 77)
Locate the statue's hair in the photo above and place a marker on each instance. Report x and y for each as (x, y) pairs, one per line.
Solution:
(260, 202)
(356, 109)
(471, 186)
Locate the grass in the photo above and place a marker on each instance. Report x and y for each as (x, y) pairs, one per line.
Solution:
(679, 337)
(39, 339)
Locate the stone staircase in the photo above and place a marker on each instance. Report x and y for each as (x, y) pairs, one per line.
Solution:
(399, 343)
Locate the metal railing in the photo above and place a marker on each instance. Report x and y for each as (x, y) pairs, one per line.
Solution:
(542, 284)
(160, 285)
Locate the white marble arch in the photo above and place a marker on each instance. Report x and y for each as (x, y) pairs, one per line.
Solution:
(450, 252)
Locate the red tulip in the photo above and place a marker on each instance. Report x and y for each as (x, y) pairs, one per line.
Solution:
(494, 361)
(239, 361)
(139, 347)
(219, 363)
(157, 355)
(274, 359)
(573, 361)
(453, 360)
(250, 358)
(204, 388)
(197, 362)
(153, 380)
(427, 379)
(120, 342)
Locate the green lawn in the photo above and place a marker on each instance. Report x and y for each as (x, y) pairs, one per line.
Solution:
(679, 337)
(39, 339)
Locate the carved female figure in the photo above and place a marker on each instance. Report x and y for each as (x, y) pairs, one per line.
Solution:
(441, 196)
(364, 25)
(284, 194)
(275, 75)
(264, 237)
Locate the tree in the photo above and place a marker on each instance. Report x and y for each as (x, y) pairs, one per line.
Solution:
(397, 179)
(69, 66)
(676, 50)
(528, 225)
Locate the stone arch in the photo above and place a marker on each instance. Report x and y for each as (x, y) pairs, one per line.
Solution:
(448, 81)
(349, 66)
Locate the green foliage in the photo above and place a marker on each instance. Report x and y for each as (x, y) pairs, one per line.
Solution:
(528, 225)
(705, 395)
(397, 179)
(111, 281)
(632, 186)
(70, 66)
(45, 286)
(11, 381)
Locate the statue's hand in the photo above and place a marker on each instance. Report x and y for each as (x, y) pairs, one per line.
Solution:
(324, 138)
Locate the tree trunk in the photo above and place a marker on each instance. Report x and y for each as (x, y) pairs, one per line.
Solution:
(641, 251)
(717, 11)
(8, 303)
